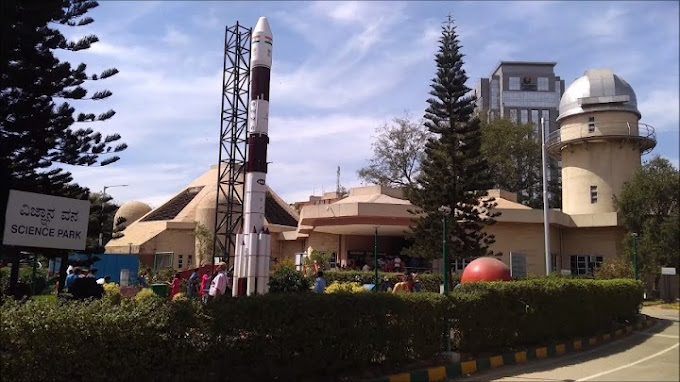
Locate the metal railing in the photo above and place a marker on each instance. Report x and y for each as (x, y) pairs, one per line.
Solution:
(587, 131)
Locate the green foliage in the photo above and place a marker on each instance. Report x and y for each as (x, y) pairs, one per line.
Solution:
(397, 153)
(286, 279)
(25, 280)
(310, 336)
(146, 296)
(338, 287)
(164, 275)
(429, 282)
(514, 154)
(501, 315)
(321, 258)
(102, 213)
(618, 267)
(649, 205)
(38, 130)
(206, 243)
(112, 293)
(454, 172)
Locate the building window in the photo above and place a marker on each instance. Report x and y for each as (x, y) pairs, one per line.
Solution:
(545, 114)
(536, 122)
(180, 261)
(593, 194)
(585, 265)
(513, 115)
(513, 83)
(190, 261)
(524, 116)
(558, 86)
(591, 124)
(543, 84)
(518, 265)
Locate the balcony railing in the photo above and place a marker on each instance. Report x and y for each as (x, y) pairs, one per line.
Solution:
(642, 133)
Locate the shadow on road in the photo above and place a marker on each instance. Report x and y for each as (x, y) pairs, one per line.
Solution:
(611, 347)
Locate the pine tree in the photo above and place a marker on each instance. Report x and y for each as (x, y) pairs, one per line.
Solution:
(36, 121)
(36, 131)
(454, 172)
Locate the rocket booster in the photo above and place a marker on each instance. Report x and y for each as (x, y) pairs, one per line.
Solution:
(253, 245)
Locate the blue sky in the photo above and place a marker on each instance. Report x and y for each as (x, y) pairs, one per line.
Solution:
(340, 70)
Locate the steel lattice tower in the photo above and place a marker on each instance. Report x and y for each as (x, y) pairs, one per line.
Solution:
(233, 127)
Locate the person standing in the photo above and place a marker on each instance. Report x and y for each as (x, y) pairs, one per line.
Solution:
(319, 283)
(192, 285)
(218, 285)
(176, 285)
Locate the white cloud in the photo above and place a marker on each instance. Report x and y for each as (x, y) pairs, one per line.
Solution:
(608, 27)
(175, 37)
(660, 109)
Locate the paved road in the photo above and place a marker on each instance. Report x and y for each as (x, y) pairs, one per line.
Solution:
(649, 355)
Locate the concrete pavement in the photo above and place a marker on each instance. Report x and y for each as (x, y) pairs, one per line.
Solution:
(649, 355)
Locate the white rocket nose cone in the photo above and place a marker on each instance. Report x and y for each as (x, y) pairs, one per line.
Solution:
(262, 26)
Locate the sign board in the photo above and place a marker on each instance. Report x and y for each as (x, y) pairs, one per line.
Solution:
(668, 271)
(45, 221)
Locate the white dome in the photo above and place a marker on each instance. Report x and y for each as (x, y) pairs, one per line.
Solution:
(598, 90)
(131, 211)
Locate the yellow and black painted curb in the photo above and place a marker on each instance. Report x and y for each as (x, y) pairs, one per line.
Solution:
(458, 369)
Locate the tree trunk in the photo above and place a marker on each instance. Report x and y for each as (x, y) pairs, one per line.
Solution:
(14, 273)
(62, 272)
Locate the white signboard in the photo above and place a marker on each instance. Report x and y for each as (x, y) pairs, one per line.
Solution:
(667, 271)
(45, 221)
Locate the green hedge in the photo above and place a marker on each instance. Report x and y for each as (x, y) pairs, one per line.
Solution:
(296, 336)
(500, 315)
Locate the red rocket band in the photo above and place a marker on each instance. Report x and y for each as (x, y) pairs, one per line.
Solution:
(253, 245)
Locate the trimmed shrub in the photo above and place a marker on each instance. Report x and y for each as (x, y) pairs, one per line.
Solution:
(501, 315)
(286, 279)
(297, 336)
(112, 293)
(337, 287)
(429, 282)
(145, 295)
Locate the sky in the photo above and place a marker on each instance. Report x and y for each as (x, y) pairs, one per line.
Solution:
(340, 70)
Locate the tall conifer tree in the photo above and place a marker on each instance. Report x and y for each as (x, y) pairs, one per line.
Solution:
(454, 172)
(36, 122)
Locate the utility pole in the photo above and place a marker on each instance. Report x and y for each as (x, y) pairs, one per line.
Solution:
(546, 222)
(101, 228)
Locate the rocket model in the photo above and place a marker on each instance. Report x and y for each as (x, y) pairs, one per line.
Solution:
(253, 245)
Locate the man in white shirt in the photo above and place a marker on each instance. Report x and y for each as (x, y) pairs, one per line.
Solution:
(218, 285)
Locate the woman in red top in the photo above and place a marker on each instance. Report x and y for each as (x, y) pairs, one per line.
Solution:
(205, 283)
(176, 285)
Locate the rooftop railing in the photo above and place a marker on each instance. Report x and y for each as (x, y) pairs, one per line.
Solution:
(642, 133)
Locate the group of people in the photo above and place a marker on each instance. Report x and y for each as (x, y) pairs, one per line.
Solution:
(82, 283)
(211, 285)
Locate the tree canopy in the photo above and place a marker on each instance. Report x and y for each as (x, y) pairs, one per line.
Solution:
(454, 172)
(37, 133)
(648, 207)
(397, 153)
(514, 156)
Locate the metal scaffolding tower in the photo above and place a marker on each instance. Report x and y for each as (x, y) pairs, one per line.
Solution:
(232, 153)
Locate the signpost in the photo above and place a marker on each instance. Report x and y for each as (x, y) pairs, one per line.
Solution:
(45, 221)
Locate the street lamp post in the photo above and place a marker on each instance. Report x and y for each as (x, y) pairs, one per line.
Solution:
(101, 230)
(635, 264)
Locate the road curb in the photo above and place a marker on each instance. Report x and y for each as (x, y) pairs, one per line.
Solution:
(465, 368)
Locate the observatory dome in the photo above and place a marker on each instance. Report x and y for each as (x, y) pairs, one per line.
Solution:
(131, 211)
(598, 90)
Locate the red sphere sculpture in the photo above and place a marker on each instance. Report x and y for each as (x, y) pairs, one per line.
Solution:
(486, 269)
